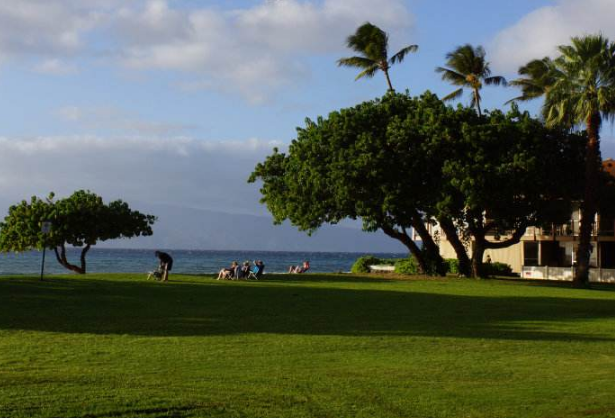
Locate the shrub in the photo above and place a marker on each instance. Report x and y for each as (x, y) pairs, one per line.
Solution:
(497, 269)
(362, 264)
(406, 266)
(452, 265)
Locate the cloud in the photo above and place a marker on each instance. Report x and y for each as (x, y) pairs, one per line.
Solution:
(47, 28)
(117, 120)
(539, 33)
(180, 172)
(253, 51)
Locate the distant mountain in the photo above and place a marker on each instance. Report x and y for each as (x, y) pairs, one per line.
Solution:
(184, 228)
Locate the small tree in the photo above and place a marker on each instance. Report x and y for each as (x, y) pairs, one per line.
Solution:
(80, 220)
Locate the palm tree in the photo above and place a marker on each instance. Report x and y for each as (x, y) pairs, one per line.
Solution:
(538, 76)
(373, 43)
(579, 89)
(467, 67)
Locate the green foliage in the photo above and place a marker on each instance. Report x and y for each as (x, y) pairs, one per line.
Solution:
(362, 264)
(80, 220)
(407, 266)
(372, 43)
(467, 67)
(497, 269)
(452, 265)
(401, 161)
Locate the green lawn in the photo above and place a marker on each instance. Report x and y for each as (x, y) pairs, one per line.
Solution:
(304, 346)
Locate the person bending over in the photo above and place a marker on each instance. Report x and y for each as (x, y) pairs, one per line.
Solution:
(166, 264)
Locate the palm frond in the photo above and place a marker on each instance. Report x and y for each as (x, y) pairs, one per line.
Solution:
(370, 41)
(368, 72)
(359, 62)
(496, 81)
(452, 96)
(454, 77)
(401, 54)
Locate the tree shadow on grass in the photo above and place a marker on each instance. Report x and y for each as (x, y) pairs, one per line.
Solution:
(212, 308)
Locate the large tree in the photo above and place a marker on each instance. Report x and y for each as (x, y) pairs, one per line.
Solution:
(504, 174)
(362, 162)
(467, 67)
(402, 162)
(80, 220)
(579, 90)
(372, 43)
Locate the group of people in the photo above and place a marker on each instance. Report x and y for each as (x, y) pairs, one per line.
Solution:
(245, 271)
(235, 271)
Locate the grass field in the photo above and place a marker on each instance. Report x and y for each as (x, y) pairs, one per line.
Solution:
(304, 346)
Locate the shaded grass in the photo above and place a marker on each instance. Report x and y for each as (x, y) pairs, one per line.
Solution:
(303, 346)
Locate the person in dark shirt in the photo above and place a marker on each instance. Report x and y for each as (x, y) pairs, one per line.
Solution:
(166, 264)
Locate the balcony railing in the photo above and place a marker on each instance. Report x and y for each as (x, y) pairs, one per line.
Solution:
(572, 229)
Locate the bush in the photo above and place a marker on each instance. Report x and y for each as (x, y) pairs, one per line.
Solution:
(406, 266)
(497, 269)
(362, 264)
(452, 265)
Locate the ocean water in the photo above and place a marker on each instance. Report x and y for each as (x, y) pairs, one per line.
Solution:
(100, 260)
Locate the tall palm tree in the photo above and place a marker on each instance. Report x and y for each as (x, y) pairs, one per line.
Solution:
(466, 67)
(373, 44)
(579, 89)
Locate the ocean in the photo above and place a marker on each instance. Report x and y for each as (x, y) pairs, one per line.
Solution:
(101, 260)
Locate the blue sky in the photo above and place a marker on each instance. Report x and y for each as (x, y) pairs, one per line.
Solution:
(174, 102)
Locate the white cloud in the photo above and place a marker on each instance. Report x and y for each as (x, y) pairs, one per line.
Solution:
(250, 51)
(539, 33)
(182, 171)
(47, 27)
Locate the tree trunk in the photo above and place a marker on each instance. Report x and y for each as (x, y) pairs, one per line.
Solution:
(462, 255)
(386, 74)
(477, 99)
(477, 258)
(588, 207)
(407, 241)
(61, 257)
(82, 258)
(430, 251)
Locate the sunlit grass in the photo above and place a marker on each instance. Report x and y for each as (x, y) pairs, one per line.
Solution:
(303, 346)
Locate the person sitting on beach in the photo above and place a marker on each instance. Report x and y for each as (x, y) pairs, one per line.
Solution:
(244, 270)
(300, 269)
(229, 272)
(259, 268)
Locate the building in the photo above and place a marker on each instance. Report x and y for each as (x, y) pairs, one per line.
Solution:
(549, 253)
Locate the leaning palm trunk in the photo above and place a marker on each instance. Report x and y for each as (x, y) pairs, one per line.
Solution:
(386, 73)
(588, 208)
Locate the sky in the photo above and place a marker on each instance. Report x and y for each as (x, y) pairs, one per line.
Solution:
(173, 102)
